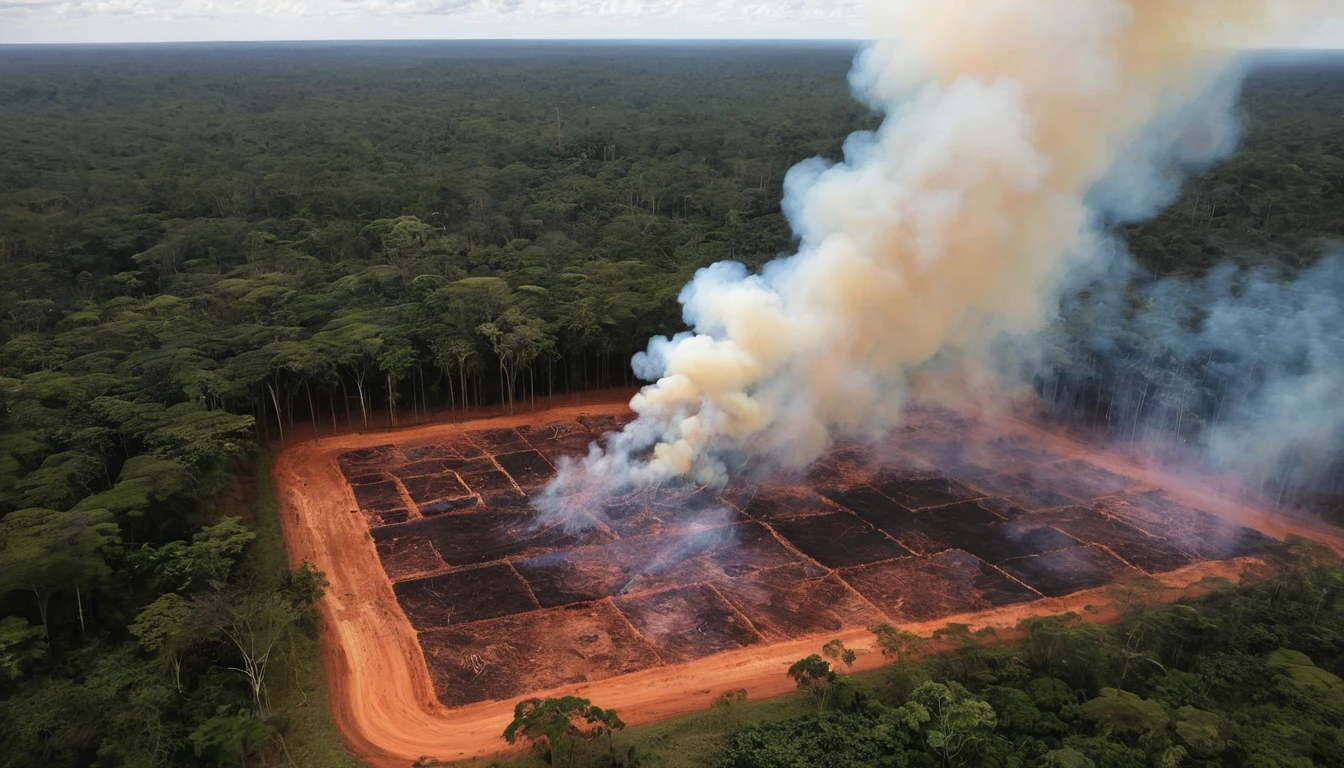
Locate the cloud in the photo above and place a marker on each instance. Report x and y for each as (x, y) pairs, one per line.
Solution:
(157, 20)
(716, 10)
(186, 20)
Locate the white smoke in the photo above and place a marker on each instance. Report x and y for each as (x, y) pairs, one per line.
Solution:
(952, 225)
(1239, 372)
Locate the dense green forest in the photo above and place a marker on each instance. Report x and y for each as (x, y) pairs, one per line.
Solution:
(201, 246)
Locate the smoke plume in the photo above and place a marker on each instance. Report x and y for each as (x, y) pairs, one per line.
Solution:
(1241, 372)
(959, 221)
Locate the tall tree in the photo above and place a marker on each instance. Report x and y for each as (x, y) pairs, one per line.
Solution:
(256, 626)
(557, 723)
(43, 552)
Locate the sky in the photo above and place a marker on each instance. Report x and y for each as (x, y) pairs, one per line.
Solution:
(121, 21)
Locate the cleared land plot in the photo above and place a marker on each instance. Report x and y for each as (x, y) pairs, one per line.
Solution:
(932, 524)
(665, 598)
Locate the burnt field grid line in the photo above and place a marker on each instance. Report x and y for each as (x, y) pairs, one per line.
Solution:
(788, 546)
(824, 507)
(512, 481)
(840, 577)
(830, 569)
(1012, 500)
(526, 584)
(936, 507)
(742, 506)
(406, 497)
(626, 619)
(746, 622)
(1116, 555)
(836, 572)
(1016, 580)
(443, 568)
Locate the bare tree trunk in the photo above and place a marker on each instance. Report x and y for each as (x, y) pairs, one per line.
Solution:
(363, 410)
(279, 419)
(345, 398)
(42, 612)
(420, 371)
(448, 376)
(312, 413)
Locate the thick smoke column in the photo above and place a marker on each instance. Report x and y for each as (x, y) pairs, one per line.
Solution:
(950, 226)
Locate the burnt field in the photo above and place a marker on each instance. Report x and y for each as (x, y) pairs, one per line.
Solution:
(945, 518)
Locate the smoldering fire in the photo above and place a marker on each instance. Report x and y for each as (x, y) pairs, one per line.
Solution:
(956, 224)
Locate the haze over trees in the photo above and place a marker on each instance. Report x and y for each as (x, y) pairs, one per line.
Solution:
(205, 247)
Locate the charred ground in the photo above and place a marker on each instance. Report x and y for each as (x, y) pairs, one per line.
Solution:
(948, 517)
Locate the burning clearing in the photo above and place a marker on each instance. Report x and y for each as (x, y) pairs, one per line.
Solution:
(948, 517)
(450, 598)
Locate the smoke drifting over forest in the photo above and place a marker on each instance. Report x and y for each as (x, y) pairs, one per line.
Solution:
(1240, 372)
(1014, 134)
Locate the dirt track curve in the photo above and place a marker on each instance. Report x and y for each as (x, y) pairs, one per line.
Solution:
(380, 690)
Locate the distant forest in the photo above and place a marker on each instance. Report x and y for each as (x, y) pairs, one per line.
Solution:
(202, 245)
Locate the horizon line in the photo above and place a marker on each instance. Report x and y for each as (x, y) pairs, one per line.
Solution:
(389, 40)
(287, 41)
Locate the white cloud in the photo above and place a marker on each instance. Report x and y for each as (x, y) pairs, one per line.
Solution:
(159, 20)
(142, 20)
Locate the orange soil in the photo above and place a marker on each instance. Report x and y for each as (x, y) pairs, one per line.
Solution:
(380, 690)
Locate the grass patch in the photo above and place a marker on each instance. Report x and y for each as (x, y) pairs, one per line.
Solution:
(688, 741)
(298, 685)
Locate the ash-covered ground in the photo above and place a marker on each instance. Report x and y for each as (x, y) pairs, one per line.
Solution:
(948, 516)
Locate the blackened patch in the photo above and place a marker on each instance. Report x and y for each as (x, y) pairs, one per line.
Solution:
(368, 478)
(839, 540)
(581, 643)
(527, 468)
(462, 596)
(1147, 553)
(494, 441)
(1065, 571)
(864, 502)
(1082, 480)
(1021, 489)
(428, 488)
(688, 623)
(797, 601)
(600, 424)
(391, 517)
(408, 555)
(483, 536)
(777, 503)
(446, 506)
(920, 493)
(935, 586)
(379, 497)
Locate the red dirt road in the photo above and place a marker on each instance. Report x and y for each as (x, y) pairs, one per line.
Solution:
(380, 689)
